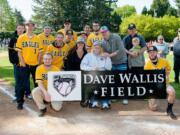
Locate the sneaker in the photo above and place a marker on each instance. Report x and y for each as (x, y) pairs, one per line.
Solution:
(84, 103)
(125, 102)
(42, 112)
(14, 100)
(105, 106)
(29, 97)
(94, 104)
(20, 106)
(172, 115)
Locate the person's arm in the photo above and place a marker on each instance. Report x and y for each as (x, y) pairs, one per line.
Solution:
(108, 64)
(22, 63)
(46, 95)
(143, 45)
(85, 64)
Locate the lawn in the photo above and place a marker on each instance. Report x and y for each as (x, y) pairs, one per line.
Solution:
(6, 71)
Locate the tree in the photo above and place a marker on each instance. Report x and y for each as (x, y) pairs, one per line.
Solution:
(125, 11)
(144, 11)
(7, 21)
(151, 27)
(18, 16)
(178, 6)
(160, 8)
(80, 12)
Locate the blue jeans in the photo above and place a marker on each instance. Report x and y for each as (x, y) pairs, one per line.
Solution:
(119, 67)
(23, 75)
(17, 77)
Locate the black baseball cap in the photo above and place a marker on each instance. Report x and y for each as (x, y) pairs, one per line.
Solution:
(152, 48)
(131, 26)
(67, 21)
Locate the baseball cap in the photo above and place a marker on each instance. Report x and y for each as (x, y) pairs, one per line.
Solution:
(29, 22)
(69, 32)
(67, 21)
(131, 26)
(152, 48)
(80, 40)
(97, 43)
(104, 29)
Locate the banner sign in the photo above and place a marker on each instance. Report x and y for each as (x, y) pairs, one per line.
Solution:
(124, 85)
(78, 85)
(64, 86)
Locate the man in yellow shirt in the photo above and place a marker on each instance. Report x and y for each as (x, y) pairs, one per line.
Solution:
(59, 50)
(29, 50)
(94, 36)
(67, 26)
(69, 39)
(40, 93)
(155, 63)
(46, 38)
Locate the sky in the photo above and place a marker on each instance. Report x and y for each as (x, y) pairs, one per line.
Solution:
(25, 6)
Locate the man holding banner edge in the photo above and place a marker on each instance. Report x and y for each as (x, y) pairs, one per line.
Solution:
(159, 63)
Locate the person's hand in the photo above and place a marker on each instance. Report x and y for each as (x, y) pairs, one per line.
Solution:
(133, 54)
(105, 55)
(23, 64)
(47, 97)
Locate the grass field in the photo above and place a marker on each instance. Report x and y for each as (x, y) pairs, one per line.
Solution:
(6, 71)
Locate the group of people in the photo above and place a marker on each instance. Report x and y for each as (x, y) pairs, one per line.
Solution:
(97, 49)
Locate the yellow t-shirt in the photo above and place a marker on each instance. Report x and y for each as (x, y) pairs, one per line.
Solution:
(45, 41)
(92, 38)
(42, 74)
(71, 44)
(30, 48)
(74, 34)
(58, 55)
(162, 64)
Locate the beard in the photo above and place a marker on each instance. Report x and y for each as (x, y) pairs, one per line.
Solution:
(154, 59)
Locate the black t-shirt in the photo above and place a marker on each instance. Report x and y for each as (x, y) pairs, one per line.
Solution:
(13, 55)
(72, 62)
(128, 41)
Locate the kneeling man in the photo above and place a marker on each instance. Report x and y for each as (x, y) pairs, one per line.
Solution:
(40, 94)
(154, 63)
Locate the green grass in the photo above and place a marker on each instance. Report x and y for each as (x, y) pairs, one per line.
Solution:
(6, 69)
(6, 72)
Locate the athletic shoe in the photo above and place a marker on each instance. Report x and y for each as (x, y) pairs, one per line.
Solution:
(172, 115)
(125, 102)
(29, 97)
(20, 106)
(42, 112)
(105, 106)
(94, 104)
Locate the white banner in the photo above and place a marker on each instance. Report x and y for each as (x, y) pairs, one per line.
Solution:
(64, 85)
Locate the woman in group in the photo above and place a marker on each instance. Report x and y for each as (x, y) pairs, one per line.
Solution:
(94, 61)
(162, 47)
(75, 56)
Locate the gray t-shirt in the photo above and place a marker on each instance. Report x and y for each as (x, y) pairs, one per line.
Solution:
(115, 44)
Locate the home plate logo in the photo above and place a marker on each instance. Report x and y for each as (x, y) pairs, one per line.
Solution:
(64, 84)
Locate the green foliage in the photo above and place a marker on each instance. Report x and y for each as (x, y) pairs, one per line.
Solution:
(151, 27)
(18, 16)
(178, 7)
(7, 21)
(125, 11)
(53, 12)
(159, 8)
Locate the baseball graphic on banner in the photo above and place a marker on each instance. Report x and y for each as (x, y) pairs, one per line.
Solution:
(64, 86)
